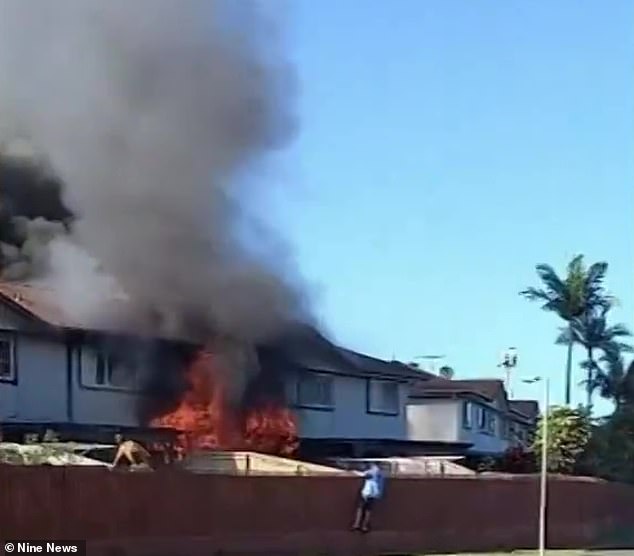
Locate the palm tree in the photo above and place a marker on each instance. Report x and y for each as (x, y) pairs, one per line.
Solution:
(580, 292)
(616, 382)
(595, 335)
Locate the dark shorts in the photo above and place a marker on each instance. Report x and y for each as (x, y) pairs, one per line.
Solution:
(366, 504)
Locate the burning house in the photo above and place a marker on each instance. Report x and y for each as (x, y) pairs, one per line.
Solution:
(141, 284)
(147, 127)
(87, 382)
(301, 393)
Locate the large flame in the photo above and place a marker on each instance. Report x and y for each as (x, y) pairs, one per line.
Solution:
(206, 420)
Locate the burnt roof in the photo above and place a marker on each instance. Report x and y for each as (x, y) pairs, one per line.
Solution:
(42, 304)
(37, 302)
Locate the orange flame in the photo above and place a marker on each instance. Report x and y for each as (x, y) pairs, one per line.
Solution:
(206, 421)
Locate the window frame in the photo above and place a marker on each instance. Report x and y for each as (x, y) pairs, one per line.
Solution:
(492, 422)
(467, 414)
(368, 397)
(505, 427)
(95, 356)
(305, 376)
(482, 418)
(12, 339)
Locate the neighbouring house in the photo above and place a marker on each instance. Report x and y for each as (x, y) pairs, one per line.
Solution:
(353, 405)
(474, 411)
(58, 371)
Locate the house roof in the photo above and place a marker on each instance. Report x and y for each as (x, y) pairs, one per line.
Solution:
(38, 302)
(381, 366)
(42, 304)
(308, 348)
(304, 345)
(529, 408)
(488, 388)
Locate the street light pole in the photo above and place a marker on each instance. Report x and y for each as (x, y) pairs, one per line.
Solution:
(543, 473)
(543, 483)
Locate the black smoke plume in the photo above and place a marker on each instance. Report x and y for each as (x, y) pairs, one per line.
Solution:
(160, 118)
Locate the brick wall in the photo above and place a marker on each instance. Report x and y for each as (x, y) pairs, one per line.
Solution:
(170, 512)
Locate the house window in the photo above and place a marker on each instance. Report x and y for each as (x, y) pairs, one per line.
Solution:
(482, 418)
(383, 397)
(7, 358)
(315, 391)
(491, 422)
(467, 414)
(106, 371)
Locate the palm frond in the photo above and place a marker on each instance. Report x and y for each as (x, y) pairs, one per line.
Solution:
(551, 280)
(563, 339)
(624, 348)
(595, 275)
(533, 294)
(551, 302)
(618, 331)
(587, 365)
(627, 383)
(575, 265)
(596, 298)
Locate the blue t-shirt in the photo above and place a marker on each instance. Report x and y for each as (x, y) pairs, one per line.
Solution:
(373, 484)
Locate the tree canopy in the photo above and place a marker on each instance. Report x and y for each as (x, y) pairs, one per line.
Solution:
(581, 300)
(568, 436)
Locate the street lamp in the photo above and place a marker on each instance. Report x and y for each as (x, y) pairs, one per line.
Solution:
(543, 483)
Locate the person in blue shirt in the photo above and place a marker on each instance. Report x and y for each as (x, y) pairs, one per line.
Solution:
(371, 491)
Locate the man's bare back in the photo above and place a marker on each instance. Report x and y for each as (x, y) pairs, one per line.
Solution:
(131, 451)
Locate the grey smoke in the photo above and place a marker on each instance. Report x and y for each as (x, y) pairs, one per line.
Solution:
(159, 117)
(31, 213)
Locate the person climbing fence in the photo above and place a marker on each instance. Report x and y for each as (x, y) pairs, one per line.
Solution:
(371, 492)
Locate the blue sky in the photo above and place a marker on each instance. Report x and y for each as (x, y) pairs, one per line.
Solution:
(448, 146)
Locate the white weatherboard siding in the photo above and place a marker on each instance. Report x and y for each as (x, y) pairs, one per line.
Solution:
(40, 368)
(349, 417)
(433, 420)
(484, 441)
(41, 374)
(441, 420)
(40, 392)
(8, 402)
(99, 406)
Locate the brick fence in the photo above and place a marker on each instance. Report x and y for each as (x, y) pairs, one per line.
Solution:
(177, 514)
